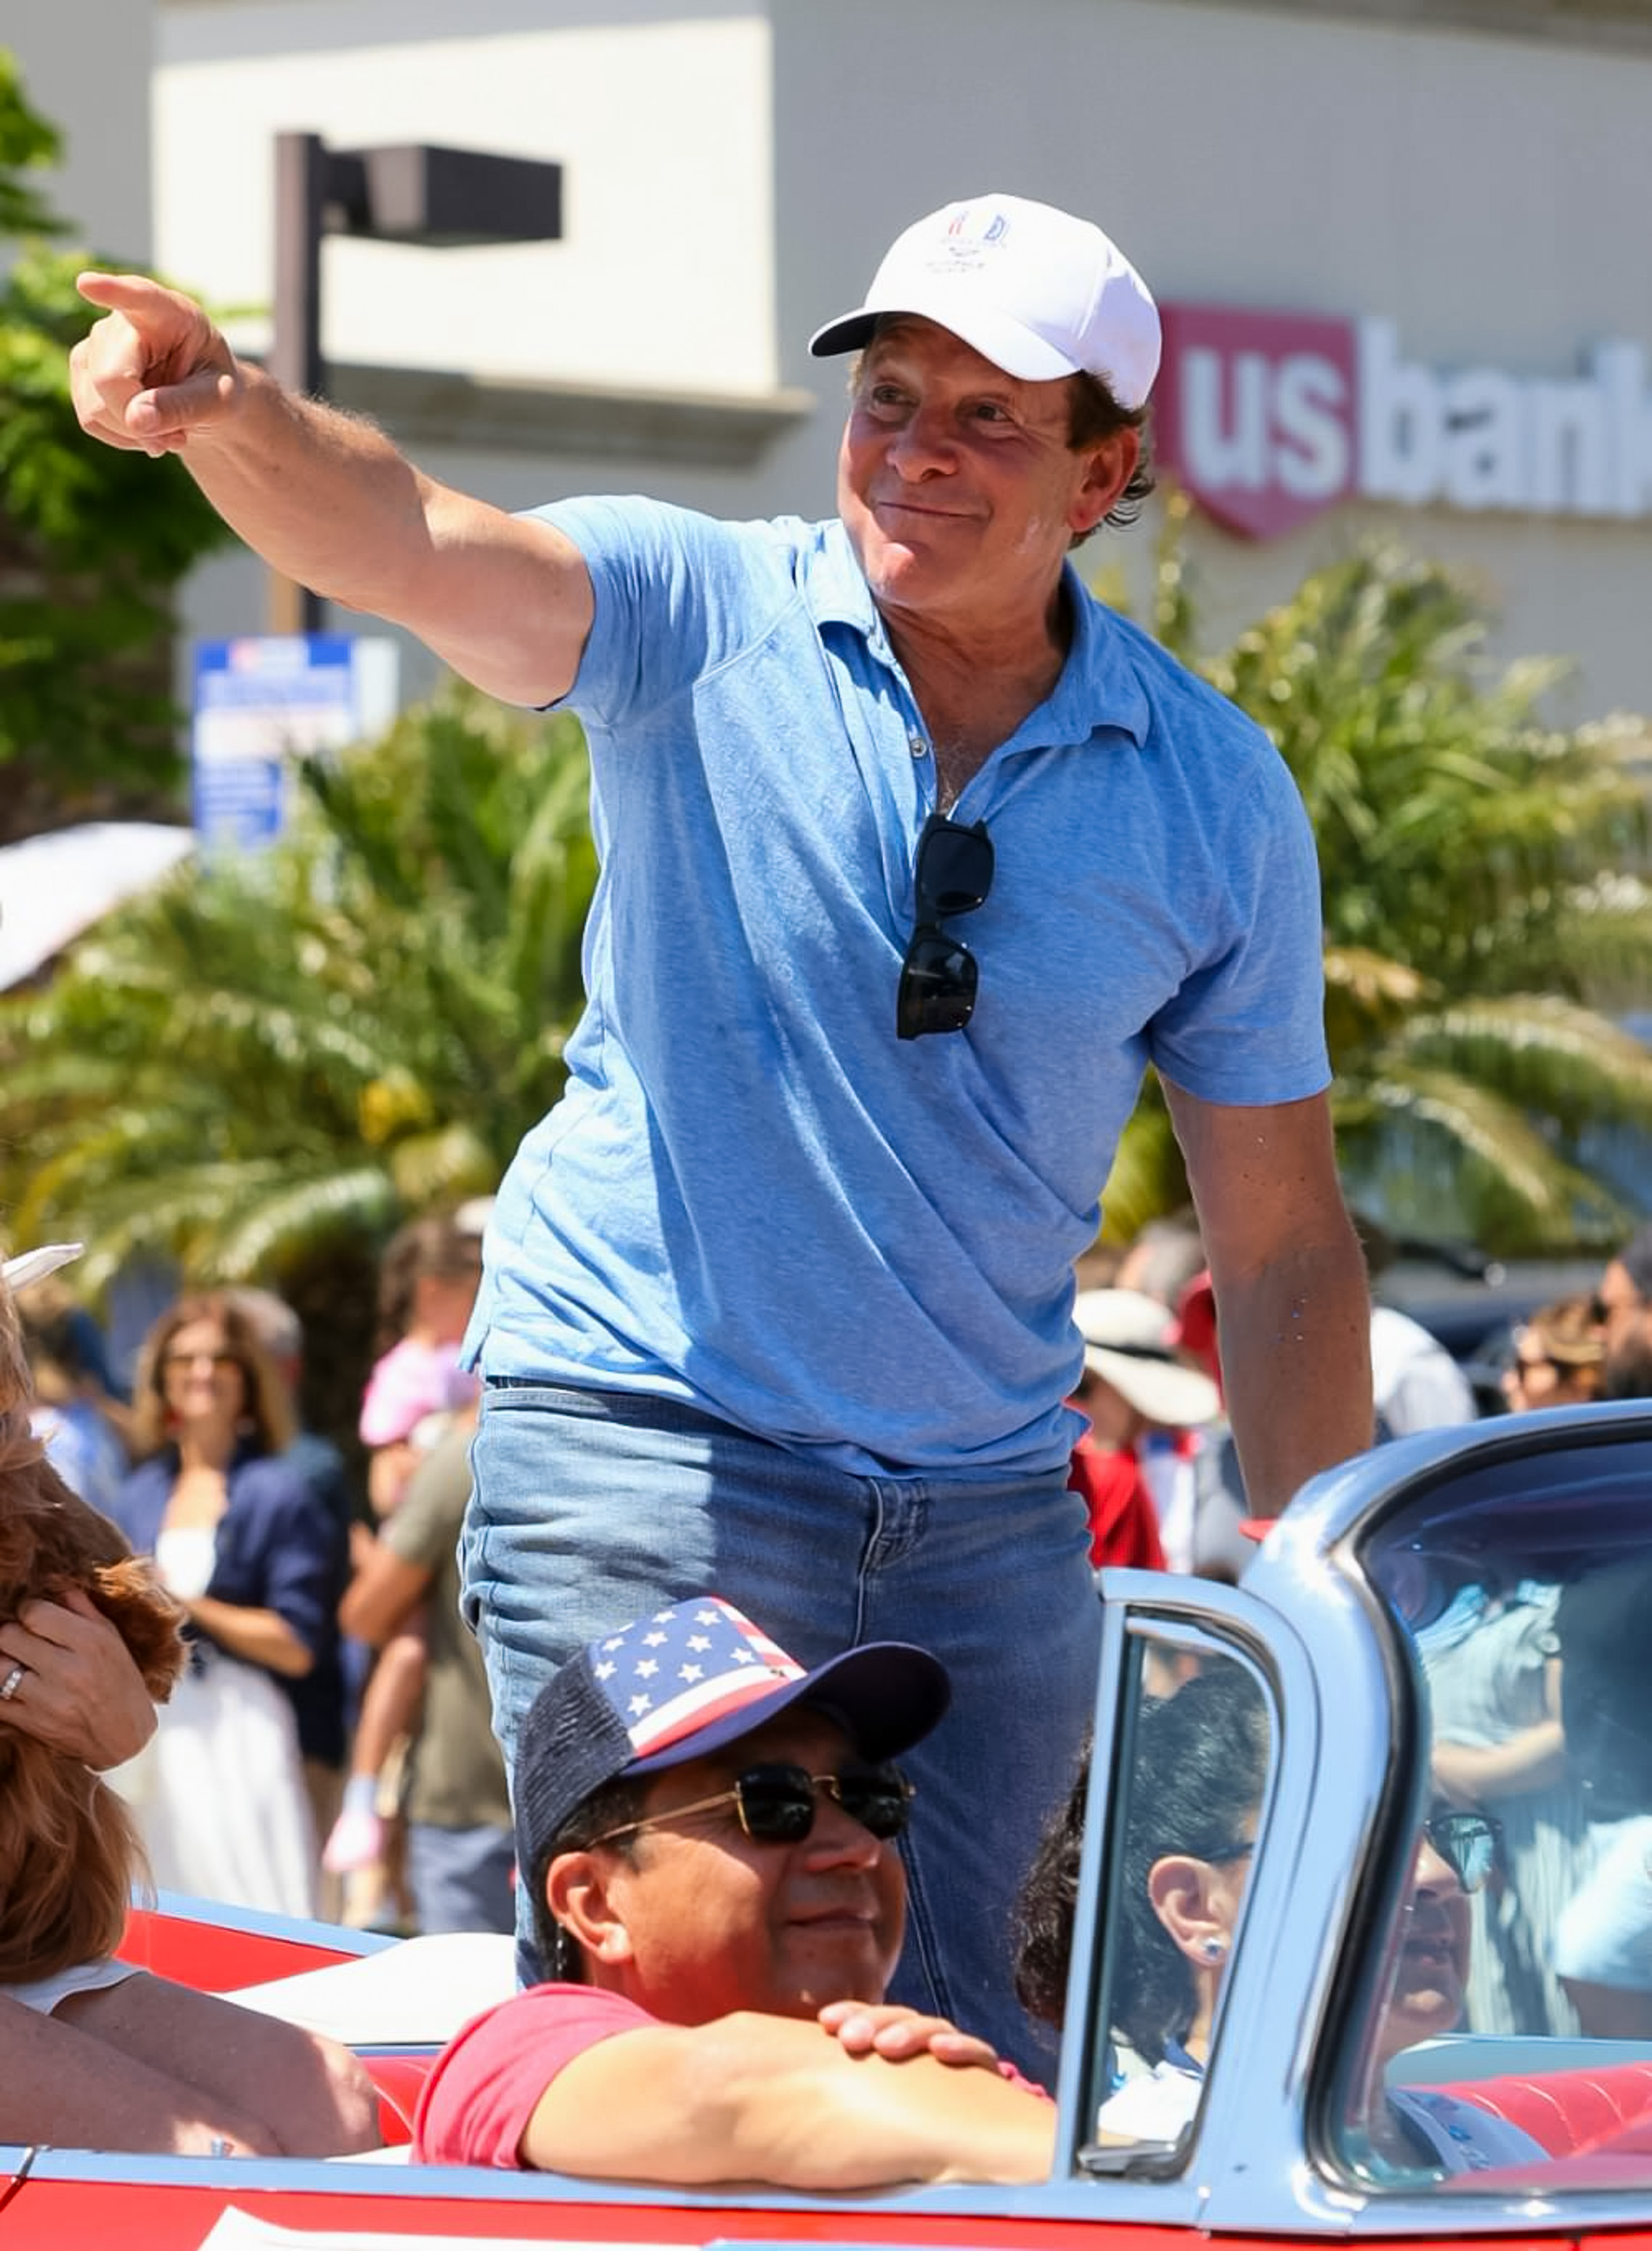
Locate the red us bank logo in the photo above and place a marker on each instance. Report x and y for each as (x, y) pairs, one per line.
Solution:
(1257, 413)
(1267, 417)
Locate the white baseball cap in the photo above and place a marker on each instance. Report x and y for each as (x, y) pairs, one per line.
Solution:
(1038, 293)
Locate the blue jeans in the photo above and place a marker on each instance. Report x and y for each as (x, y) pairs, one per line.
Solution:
(460, 1879)
(592, 1508)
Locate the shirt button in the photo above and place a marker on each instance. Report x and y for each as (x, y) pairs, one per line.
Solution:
(917, 746)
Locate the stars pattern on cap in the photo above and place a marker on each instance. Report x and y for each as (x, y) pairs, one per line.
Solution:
(673, 1673)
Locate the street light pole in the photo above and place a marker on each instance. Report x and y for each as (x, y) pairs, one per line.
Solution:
(444, 198)
(295, 356)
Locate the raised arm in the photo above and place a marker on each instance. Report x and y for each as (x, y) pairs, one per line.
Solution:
(779, 2100)
(326, 499)
(1293, 1308)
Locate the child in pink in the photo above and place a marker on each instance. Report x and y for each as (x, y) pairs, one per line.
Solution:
(428, 1285)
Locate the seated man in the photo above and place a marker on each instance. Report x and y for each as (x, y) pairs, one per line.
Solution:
(710, 1835)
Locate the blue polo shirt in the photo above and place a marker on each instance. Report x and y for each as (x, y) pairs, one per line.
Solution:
(752, 1197)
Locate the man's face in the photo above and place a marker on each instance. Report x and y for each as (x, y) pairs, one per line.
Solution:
(956, 482)
(1431, 1973)
(715, 1920)
(1621, 1304)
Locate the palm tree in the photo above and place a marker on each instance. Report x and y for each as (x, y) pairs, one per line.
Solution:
(1485, 897)
(265, 1064)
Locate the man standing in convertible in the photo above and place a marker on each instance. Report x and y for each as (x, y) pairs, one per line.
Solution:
(778, 1297)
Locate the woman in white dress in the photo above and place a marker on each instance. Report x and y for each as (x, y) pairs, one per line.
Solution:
(259, 1565)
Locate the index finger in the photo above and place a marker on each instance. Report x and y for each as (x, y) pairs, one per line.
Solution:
(134, 295)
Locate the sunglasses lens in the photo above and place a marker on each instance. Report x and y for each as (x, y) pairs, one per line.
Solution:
(954, 873)
(1468, 1844)
(937, 985)
(880, 1802)
(777, 1804)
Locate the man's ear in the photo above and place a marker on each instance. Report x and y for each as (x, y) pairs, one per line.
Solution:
(1194, 1901)
(581, 1897)
(1110, 467)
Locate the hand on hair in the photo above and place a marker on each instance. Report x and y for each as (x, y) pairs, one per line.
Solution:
(80, 1695)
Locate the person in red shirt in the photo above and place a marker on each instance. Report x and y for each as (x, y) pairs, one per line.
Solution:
(1136, 1390)
(708, 1832)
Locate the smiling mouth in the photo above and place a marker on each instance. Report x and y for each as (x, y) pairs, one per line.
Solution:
(919, 508)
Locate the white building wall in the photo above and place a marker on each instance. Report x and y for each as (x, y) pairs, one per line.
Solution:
(86, 66)
(662, 123)
(1487, 193)
(733, 175)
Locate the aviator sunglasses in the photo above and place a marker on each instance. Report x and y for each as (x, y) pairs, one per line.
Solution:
(951, 875)
(1468, 1844)
(776, 1804)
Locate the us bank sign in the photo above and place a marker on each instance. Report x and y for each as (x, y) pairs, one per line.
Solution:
(1268, 418)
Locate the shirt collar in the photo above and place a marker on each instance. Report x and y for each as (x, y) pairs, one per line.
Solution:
(1100, 684)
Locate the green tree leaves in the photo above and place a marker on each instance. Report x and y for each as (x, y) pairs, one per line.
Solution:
(93, 542)
(1485, 879)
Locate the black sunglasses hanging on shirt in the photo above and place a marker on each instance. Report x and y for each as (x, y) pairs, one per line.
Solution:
(951, 875)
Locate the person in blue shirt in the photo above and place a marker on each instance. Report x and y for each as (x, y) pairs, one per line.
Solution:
(914, 855)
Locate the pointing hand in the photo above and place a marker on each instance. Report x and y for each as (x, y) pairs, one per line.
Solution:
(153, 370)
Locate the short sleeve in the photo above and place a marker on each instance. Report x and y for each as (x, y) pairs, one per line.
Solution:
(477, 2102)
(1248, 1025)
(675, 595)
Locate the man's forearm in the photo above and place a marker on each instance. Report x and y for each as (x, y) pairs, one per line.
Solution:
(778, 2100)
(327, 500)
(324, 496)
(1295, 1344)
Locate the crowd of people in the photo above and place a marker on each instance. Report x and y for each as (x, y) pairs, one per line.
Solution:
(334, 1713)
(327, 1748)
(712, 1870)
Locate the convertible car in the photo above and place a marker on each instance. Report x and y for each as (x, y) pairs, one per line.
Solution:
(1450, 1728)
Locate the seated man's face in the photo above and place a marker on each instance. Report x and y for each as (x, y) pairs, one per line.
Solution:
(718, 1921)
(1431, 1976)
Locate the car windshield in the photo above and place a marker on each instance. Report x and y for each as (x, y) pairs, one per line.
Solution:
(1510, 2018)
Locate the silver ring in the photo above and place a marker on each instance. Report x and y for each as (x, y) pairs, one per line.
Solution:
(12, 1682)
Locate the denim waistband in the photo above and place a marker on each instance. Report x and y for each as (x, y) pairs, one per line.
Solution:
(649, 1410)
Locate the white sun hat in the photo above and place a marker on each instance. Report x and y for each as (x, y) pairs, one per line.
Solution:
(1038, 293)
(1129, 1342)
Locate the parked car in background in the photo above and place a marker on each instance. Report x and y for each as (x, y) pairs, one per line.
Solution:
(1381, 1599)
